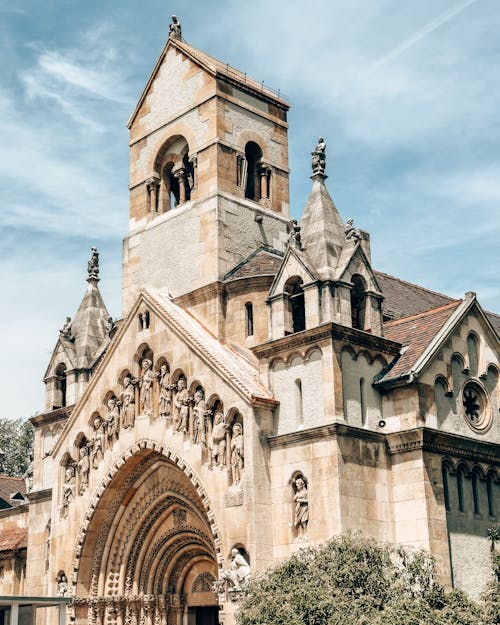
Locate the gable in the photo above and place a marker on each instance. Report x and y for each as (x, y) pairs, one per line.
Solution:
(294, 264)
(63, 353)
(353, 261)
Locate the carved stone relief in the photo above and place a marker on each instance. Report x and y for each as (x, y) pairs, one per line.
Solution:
(237, 454)
(181, 405)
(146, 387)
(301, 510)
(127, 414)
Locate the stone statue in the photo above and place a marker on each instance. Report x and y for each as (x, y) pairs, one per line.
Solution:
(301, 515)
(93, 264)
(146, 386)
(62, 585)
(66, 332)
(69, 486)
(237, 455)
(98, 442)
(181, 404)
(240, 570)
(110, 325)
(294, 235)
(166, 389)
(83, 468)
(112, 421)
(127, 415)
(175, 30)
(199, 414)
(218, 441)
(318, 161)
(28, 474)
(350, 232)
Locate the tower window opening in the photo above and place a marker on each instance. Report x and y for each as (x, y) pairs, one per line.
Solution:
(358, 302)
(253, 155)
(295, 320)
(249, 318)
(60, 395)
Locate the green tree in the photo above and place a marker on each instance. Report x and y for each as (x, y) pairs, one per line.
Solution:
(353, 580)
(16, 443)
(491, 595)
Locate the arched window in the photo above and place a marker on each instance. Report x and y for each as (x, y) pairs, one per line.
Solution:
(460, 489)
(249, 318)
(446, 490)
(362, 400)
(473, 353)
(358, 302)
(60, 387)
(295, 313)
(489, 492)
(175, 171)
(475, 492)
(299, 402)
(253, 155)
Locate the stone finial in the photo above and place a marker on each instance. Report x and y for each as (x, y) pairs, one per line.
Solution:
(93, 265)
(350, 232)
(318, 160)
(175, 29)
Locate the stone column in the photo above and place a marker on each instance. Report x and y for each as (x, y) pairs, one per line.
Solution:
(180, 174)
(153, 186)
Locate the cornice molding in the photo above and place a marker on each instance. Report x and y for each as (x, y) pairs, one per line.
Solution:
(40, 495)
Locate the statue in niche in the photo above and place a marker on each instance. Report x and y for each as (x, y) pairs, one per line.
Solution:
(112, 421)
(93, 264)
(237, 456)
(127, 414)
(146, 386)
(240, 570)
(166, 389)
(66, 331)
(218, 442)
(301, 513)
(98, 441)
(199, 414)
(84, 468)
(350, 232)
(62, 585)
(181, 404)
(175, 29)
(69, 486)
(318, 161)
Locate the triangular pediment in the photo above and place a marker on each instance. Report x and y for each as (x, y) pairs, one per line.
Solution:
(179, 339)
(295, 263)
(353, 260)
(63, 353)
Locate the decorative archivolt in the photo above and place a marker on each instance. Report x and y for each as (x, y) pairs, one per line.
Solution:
(370, 358)
(304, 356)
(467, 468)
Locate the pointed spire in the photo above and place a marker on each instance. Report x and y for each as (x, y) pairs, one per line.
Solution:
(322, 229)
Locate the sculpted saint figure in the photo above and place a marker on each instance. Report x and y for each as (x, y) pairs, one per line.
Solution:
(66, 332)
(146, 384)
(240, 569)
(62, 585)
(69, 486)
(98, 441)
(175, 28)
(181, 403)
(301, 508)
(237, 457)
(218, 441)
(84, 468)
(350, 232)
(165, 398)
(93, 264)
(128, 403)
(318, 161)
(199, 413)
(112, 421)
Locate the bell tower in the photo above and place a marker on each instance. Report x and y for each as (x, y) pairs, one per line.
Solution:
(208, 173)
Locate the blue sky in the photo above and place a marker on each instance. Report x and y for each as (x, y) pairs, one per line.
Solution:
(407, 96)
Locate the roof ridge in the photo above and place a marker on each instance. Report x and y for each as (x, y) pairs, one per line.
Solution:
(413, 284)
(424, 313)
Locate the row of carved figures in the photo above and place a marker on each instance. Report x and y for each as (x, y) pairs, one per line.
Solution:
(221, 436)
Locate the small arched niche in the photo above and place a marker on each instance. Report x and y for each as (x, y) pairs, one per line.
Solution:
(295, 314)
(358, 302)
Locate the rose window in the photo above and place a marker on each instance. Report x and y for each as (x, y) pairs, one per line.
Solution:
(475, 405)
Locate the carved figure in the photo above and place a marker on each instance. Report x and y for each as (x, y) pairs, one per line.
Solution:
(165, 398)
(112, 421)
(294, 235)
(318, 161)
(69, 486)
(350, 232)
(110, 325)
(301, 516)
(199, 414)
(175, 29)
(98, 442)
(181, 403)
(128, 403)
(218, 441)
(93, 264)
(62, 585)
(240, 570)
(28, 474)
(66, 332)
(84, 468)
(237, 455)
(146, 385)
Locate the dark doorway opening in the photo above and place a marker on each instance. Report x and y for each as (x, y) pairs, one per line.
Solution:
(205, 615)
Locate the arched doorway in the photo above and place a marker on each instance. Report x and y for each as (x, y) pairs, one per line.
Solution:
(148, 555)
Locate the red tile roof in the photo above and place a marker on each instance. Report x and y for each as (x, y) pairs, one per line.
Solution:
(9, 486)
(14, 539)
(415, 333)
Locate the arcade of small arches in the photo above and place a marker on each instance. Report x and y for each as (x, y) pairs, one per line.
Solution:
(470, 489)
(156, 391)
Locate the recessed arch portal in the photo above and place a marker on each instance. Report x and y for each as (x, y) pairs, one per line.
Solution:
(150, 532)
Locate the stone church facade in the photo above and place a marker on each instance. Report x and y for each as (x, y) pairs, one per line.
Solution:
(266, 388)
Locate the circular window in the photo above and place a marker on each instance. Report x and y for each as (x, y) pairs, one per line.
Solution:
(476, 407)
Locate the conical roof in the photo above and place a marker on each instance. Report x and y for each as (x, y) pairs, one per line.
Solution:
(89, 325)
(322, 229)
